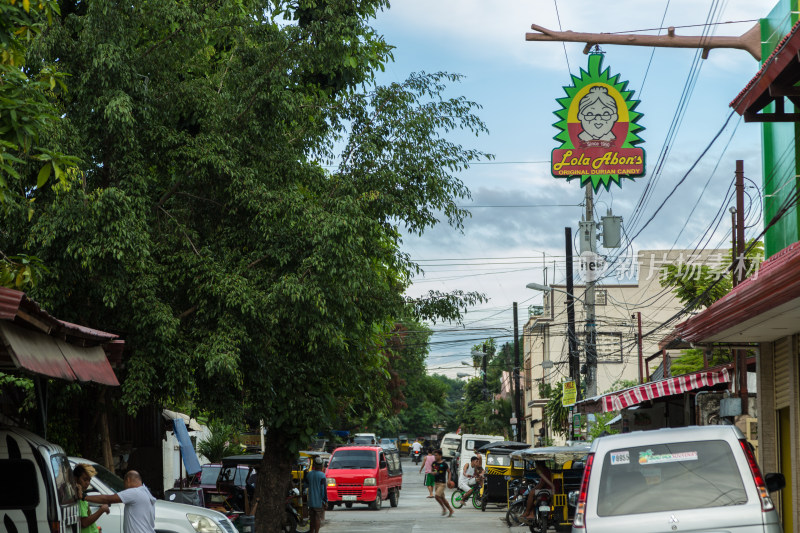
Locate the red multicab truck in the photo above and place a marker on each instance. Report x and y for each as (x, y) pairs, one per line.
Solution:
(364, 474)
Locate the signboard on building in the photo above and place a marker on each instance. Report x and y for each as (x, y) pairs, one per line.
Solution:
(569, 393)
(598, 130)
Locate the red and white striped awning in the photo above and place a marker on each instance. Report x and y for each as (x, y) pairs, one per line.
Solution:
(617, 401)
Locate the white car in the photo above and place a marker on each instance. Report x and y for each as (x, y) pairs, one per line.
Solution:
(170, 517)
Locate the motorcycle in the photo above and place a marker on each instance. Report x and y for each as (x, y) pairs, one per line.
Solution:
(292, 518)
(543, 505)
(416, 456)
(517, 500)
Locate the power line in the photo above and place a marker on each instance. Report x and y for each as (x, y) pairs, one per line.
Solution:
(684, 26)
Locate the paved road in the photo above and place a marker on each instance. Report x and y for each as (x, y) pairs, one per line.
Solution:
(414, 514)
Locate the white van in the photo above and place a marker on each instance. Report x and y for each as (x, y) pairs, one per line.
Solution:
(469, 443)
(450, 444)
(365, 439)
(170, 516)
(37, 493)
(687, 479)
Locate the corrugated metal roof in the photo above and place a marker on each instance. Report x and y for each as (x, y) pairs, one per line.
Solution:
(9, 302)
(50, 356)
(40, 343)
(35, 352)
(15, 305)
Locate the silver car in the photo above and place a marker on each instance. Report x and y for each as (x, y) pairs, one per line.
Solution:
(680, 480)
(170, 517)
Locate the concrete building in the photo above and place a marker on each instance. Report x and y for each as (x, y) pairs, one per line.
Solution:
(636, 290)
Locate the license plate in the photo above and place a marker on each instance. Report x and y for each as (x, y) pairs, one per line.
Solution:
(544, 509)
(349, 498)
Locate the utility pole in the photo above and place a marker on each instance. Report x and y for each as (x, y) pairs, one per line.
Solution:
(639, 339)
(591, 332)
(483, 373)
(739, 273)
(572, 340)
(517, 393)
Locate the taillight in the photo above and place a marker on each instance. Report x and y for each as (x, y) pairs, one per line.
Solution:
(763, 494)
(580, 510)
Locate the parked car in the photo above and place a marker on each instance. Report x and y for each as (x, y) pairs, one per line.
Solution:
(171, 517)
(364, 474)
(38, 490)
(365, 438)
(684, 479)
(207, 481)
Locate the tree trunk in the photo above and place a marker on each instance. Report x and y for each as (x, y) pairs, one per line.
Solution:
(108, 459)
(272, 485)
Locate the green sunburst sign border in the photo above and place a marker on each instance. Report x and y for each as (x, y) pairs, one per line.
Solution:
(595, 74)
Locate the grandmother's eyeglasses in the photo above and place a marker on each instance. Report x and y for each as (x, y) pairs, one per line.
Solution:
(592, 116)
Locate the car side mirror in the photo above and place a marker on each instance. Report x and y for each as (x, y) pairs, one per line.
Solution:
(572, 498)
(775, 481)
(383, 464)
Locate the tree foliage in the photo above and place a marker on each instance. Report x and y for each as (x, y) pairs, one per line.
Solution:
(202, 226)
(700, 285)
(691, 360)
(556, 414)
(221, 443)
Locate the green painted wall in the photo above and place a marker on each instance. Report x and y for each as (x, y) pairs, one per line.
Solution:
(778, 141)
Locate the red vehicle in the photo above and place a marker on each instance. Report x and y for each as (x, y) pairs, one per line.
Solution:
(364, 474)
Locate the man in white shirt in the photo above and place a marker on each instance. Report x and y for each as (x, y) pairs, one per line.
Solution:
(140, 506)
(416, 447)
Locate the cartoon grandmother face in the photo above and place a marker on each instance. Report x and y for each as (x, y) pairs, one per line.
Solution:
(597, 112)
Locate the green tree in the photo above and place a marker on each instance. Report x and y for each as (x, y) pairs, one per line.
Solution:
(702, 285)
(245, 279)
(555, 413)
(28, 114)
(692, 360)
(222, 442)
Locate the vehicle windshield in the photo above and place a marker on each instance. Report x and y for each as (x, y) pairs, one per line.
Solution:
(239, 475)
(669, 477)
(357, 459)
(364, 440)
(452, 442)
(209, 474)
(109, 479)
(497, 460)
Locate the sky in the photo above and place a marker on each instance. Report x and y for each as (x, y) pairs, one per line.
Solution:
(519, 211)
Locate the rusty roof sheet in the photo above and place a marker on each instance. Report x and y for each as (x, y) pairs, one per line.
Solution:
(15, 305)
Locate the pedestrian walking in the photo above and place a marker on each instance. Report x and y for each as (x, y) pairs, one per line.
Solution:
(442, 476)
(428, 467)
(83, 474)
(317, 494)
(140, 506)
